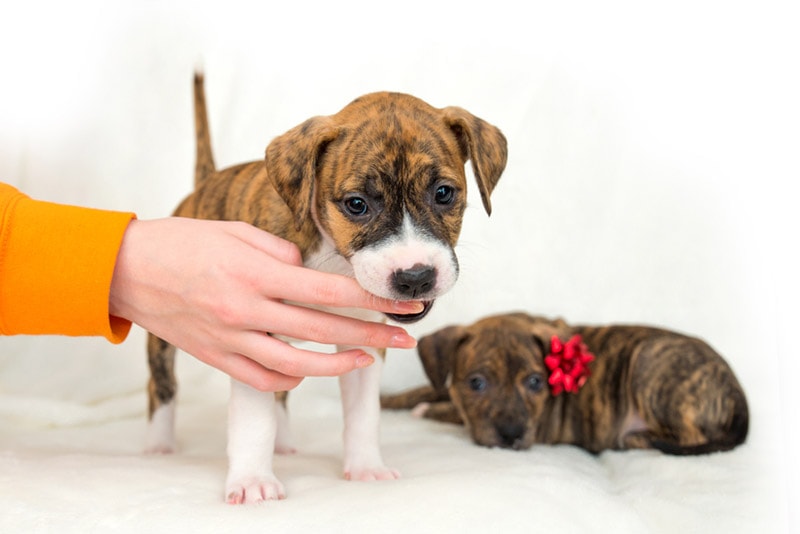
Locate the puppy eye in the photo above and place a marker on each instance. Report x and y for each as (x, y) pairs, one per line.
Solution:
(534, 382)
(477, 382)
(356, 206)
(444, 194)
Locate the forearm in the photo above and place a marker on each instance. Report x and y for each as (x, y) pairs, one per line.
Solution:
(56, 266)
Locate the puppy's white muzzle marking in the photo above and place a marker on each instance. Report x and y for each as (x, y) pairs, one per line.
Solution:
(409, 265)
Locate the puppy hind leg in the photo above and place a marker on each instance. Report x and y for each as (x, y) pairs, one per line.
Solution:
(699, 416)
(664, 442)
(642, 439)
(663, 424)
(715, 425)
(361, 405)
(679, 431)
(160, 434)
(283, 438)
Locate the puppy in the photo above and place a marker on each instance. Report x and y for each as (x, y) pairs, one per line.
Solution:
(376, 192)
(515, 380)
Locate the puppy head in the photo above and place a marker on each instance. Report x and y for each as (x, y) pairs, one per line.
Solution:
(384, 180)
(495, 375)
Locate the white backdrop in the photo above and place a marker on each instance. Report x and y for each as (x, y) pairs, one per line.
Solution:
(653, 162)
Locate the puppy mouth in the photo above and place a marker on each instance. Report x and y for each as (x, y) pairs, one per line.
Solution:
(411, 317)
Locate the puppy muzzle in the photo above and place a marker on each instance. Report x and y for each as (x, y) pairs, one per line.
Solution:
(413, 283)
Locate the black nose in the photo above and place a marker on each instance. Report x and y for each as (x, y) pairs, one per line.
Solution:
(415, 281)
(509, 433)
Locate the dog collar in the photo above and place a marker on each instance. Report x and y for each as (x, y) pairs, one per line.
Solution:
(568, 364)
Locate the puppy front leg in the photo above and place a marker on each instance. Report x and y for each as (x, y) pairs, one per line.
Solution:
(411, 398)
(444, 412)
(361, 404)
(252, 428)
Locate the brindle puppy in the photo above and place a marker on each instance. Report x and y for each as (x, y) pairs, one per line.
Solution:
(377, 192)
(647, 388)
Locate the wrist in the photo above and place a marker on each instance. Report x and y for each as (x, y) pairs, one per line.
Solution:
(122, 279)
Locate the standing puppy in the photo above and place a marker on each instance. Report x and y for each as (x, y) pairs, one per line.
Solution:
(376, 192)
(515, 380)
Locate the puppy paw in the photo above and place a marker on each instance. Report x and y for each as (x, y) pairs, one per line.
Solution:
(371, 474)
(420, 409)
(158, 443)
(254, 490)
(282, 448)
(160, 433)
(159, 448)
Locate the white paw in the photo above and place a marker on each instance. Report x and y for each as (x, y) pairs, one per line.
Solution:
(159, 448)
(254, 490)
(158, 442)
(282, 448)
(420, 409)
(369, 474)
(160, 434)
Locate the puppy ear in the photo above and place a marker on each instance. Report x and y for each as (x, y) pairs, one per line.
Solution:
(292, 160)
(543, 330)
(437, 352)
(542, 344)
(560, 323)
(483, 144)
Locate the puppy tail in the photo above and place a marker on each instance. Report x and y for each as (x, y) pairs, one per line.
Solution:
(204, 162)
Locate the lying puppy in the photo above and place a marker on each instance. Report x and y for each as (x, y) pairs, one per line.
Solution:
(376, 192)
(515, 380)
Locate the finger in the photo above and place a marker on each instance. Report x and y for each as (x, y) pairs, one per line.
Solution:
(275, 246)
(253, 374)
(285, 359)
(321, 327)
(325, 289)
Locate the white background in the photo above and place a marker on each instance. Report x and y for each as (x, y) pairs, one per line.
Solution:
(653, 159)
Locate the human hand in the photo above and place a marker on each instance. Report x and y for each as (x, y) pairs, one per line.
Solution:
(215, 288)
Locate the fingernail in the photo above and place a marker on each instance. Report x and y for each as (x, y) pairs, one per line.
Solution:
(365, 360)
(402, 341)
(408, 306)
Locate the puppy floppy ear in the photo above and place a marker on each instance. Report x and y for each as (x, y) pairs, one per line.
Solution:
(483, 144)
(437, 352)
(292, 160)
(542, 330)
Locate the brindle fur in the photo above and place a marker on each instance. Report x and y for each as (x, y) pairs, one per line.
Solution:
(387, 145)
(649, 388)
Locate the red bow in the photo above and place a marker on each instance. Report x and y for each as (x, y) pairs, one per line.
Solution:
(569, 365)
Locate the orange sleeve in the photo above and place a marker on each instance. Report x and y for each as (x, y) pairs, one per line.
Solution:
(56, 265)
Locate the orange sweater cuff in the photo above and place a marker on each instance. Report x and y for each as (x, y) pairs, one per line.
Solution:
(56, 265)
